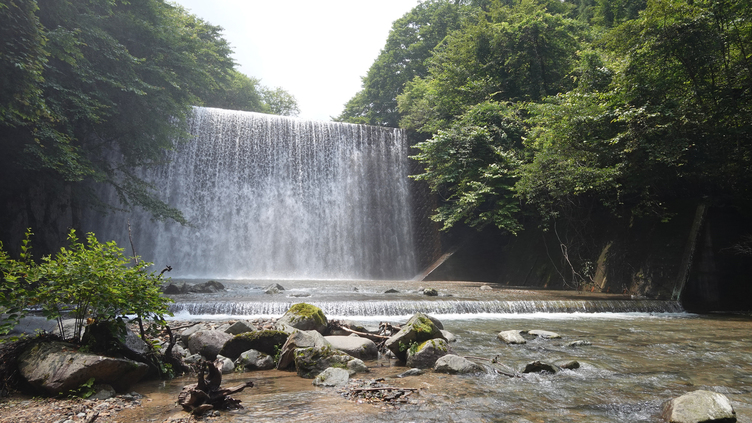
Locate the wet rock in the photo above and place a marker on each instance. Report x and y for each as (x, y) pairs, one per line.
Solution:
(436, 322)
(511, 337)
(356, 366)
(299, 339)
(412, 372)
(309, 362)
(454, 364)
(224, 364)
(355, 346)
(303, 316)
(699, 406)
(568, 364)
(255, 360)
(266, 341)
(426, 354)
(418, 329)
(55, 367)
(208, 343)
(430, 292)
(578, 343)
(485, 288)
(544, 334)
(240, 327)
(274, 288)
(391, 291)
(332, 376)
(540, 367)
(208, 287)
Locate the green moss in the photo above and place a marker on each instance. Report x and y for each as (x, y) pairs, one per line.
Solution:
(309, 311)
(423, 325)
(260, 334)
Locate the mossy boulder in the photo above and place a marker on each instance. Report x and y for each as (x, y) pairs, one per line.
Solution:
(266, 341)
(309, 362)
(418, 329)
(299, 339)
(303, 316)
(424, 355)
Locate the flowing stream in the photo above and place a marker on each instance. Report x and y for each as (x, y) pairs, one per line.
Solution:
(637, 359)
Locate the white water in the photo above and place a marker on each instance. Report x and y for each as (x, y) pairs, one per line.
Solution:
(271, 197)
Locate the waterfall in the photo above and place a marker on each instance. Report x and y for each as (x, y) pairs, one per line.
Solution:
(271, 197)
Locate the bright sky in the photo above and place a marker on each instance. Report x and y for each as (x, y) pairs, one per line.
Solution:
(318, 51)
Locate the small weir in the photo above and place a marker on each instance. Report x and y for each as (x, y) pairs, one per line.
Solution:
(356, 309)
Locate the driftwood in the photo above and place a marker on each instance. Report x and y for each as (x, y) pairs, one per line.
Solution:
(373, 337)
(207, 393)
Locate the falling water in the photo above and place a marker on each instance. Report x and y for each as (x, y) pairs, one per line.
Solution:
(273, 197)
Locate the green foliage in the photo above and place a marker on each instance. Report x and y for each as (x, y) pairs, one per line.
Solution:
(85, 390)
(87, 280)
(280, 102)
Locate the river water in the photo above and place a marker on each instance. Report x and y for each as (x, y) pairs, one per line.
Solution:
(634, 363)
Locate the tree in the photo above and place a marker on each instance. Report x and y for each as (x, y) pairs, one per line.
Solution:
(279, 102)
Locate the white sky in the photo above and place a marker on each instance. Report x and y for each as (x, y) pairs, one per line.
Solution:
(317, 50)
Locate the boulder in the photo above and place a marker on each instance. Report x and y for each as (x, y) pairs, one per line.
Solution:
(309, 362)
(332, 376)
(699, 406)
(454, 364)
(102, 392)
(449, 336)
(57, 367)
(356, 366)
(274, 288)
(303, 316)
(430, 292)
(265, 341)
(299, 339)
(568, 364)
(391, 291)
(355, 346)
(418, 329)
(224, 364)
(544, 334)
(240, 327)
(186, 333)
(426, 354)
(540, 367)
(208, 343)
(511, 337)
(412, 372)
(208, 287)
(255, 360)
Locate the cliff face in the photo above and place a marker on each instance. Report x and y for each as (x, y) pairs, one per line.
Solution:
(694, 257)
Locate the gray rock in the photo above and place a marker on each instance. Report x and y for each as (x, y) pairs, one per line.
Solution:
(412, 372)
(55, 367)
(309, 362)
(186, 333)
(332, 376)
(255, 360)
(356, 366)
(224, 364)
(449, 336)
(540, 367)
(299, 339)
(193, 359)
(454, 364)
(240, 327)
(578, 343)
(208, 343)
(102, 392)
(427, 353)
(208, 287)
(274, 288)
(304, 316)
(418, 329)
(511, 337)
(485, 288)
(699, 406)
(568, 364)
(430, 292)
(436, 322)
(355, 346)
(544, 334)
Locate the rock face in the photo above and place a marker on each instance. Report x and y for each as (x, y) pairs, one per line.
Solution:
(303, 316)
(699, 406)
(355, 346)
(299, 339)
(332, 376)
(265, 341)
(309, 362)
(425, 356)
(255, 360)
(511, 337)
(418, 329)
(454, 364)
(208, 343)
(55, 367)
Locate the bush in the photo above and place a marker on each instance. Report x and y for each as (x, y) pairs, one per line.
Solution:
(90, 280)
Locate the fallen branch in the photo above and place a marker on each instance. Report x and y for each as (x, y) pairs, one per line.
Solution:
(385, 388)
(371, 336)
